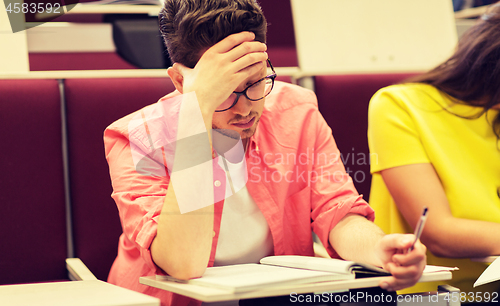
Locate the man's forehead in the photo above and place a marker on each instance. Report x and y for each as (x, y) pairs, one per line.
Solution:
(259, 75)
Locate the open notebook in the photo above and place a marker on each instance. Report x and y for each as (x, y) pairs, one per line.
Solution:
(249, 277)
(285, 270)
(323, 264)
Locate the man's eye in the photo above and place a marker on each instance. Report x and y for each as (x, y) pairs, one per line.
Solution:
(255, 83)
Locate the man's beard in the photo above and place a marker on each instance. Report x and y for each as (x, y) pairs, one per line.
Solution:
(246, 133)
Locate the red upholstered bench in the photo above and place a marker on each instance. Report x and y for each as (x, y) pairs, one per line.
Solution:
(92, 105)
(77, 61)
(280, 33)
(343, 101)
(32, 217)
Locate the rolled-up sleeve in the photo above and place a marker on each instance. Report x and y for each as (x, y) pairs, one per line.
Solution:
(139, 198)
(333, 194)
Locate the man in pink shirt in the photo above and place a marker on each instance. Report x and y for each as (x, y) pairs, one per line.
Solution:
(234, 166)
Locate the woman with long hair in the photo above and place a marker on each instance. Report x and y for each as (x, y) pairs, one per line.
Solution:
(435, 142)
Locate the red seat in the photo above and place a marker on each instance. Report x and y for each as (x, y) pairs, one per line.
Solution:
(92, 105)
(32, 220)
(280, 33)
(77, 61)
(343, 101)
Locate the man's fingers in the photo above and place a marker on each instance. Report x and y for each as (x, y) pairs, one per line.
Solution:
(406, 272)
(238, 45)
(409, 259)
(250, 60)
(181, 68)
(232, 41)
(235, 53)
(402, 272)
(397, 241)
(245, 49)
(405, 267)
(390, 283)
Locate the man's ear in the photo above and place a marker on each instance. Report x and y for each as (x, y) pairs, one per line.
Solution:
(176, 77)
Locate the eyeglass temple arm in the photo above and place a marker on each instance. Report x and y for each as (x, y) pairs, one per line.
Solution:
(271, 65)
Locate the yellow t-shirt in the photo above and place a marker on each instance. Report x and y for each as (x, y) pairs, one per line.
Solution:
(416, 123)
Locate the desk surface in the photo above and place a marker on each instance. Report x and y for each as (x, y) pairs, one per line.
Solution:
(486, 259)
(207, 294)
(75, 293)
(90, 8)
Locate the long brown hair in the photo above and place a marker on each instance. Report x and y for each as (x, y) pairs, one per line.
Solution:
(472, 74)
(189, 27)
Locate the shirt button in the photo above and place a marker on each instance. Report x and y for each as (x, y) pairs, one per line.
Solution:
(217, 183)
(213, 234)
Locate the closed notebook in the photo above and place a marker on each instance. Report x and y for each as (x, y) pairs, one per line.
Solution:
(249, 277)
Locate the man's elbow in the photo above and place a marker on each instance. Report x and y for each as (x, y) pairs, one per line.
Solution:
(183, 270)
(186, 272)
(181, 265)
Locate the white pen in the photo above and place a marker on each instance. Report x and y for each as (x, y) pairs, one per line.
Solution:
(419, 228)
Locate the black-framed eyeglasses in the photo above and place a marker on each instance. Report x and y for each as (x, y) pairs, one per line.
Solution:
(254, 92)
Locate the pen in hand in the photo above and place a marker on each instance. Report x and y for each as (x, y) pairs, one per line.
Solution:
(419, 228)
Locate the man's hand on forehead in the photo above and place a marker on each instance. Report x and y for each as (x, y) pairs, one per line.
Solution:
(239, 45)
(222, 68)
(241, 51)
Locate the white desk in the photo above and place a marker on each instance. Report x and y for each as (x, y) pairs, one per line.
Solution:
(90, 8)
(207, 294)
(74, 293)
(487, 259)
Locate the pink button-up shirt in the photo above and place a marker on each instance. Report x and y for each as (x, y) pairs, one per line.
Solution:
(295, 175)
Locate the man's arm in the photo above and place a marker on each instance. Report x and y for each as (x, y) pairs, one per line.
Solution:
(415, 186)
(183, 242)
(357, 239)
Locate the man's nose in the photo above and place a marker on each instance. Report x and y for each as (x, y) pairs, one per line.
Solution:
(243, 107)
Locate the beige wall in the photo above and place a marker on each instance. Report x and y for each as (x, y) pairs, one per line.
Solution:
(13, 46)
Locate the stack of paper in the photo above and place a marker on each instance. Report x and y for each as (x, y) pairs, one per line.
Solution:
(248, 277)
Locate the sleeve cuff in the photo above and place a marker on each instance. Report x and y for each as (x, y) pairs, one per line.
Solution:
(356, 205)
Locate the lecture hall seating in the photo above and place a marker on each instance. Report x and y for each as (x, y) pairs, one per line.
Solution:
(280, 38)
(32, 221)
(343, 101)
(33, 225)
(92, 105)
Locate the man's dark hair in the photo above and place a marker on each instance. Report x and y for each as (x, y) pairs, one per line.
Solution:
(472, 74)
(189, 27)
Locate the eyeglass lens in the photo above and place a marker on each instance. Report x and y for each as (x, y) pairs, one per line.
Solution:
(254, 92)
